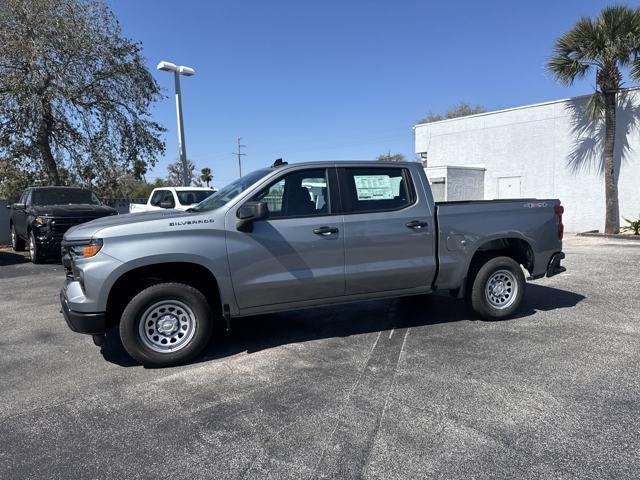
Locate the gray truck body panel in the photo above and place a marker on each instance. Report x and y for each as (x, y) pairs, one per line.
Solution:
(282, 264)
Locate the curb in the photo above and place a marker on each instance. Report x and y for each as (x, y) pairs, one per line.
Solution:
(618, 236)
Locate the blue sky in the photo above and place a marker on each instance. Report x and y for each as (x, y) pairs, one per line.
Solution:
(326, 80)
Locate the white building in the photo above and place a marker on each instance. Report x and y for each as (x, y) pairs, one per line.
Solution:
(548, 150)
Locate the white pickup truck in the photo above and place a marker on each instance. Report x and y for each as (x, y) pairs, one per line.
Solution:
(179, 198)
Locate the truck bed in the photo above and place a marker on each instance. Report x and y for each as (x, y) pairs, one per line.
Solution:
(467, 227)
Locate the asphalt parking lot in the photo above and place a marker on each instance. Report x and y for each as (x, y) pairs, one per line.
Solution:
(409, 388)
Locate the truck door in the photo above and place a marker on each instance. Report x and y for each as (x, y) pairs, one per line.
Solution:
(295, 255)
(20, 214)
(388, 230)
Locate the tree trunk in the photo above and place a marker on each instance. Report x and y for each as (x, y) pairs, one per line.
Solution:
(612, 219)
(44, 144)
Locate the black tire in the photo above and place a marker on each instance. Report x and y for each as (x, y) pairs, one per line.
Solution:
(17, 243)
(503, 300)
(34, 252)
(189, 305)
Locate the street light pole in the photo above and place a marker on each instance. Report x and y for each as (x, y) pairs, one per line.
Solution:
(182, 147)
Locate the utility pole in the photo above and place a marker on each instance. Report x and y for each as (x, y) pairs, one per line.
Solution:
(240, 154)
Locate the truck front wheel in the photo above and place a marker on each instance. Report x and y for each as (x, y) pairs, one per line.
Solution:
(166, 324)
(34, 250)
(498, 288)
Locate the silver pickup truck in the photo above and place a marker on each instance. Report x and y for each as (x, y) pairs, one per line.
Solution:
(297, 236)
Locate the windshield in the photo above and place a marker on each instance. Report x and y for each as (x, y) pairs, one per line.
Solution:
(189, 197)
(231, 191)
(64, 196)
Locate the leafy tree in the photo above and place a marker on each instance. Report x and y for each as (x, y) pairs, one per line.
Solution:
(389, 157)
(462, 109)
(74, 93)
(607, 45)
(176, 174)
(13, 180)
(144, 189)
(206, 175)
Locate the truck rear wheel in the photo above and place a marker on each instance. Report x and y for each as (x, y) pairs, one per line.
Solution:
(16, 242)
(166, 324)
(498, 288)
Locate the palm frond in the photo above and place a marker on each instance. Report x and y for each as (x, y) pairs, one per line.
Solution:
(620, 27)
(608, 43)
(634, 71)
(595, 106)
(573, 54)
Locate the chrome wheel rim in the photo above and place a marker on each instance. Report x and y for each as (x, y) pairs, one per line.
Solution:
(167, 326)
(13, 237)
(501, 289)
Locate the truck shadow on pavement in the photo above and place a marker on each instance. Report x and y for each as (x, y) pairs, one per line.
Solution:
(256, 333)
(11, 258)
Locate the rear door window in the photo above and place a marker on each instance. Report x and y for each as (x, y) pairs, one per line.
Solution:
(190, 197)
(374, 189)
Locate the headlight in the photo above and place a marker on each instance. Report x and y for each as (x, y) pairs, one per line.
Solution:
(85, 249)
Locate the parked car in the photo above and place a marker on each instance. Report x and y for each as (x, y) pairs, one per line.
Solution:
(43, 214)
(179, 198)
(298, 236)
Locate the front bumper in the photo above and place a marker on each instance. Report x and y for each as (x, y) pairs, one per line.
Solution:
(48, 246)
(80, 322)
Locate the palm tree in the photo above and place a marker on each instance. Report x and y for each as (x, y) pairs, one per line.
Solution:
(607, 44)
(206, 175)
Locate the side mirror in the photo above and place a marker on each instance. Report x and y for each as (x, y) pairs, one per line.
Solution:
(166, 205)
(18, 206)
(249, 213)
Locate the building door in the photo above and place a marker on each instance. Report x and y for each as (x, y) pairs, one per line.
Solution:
(509, 187)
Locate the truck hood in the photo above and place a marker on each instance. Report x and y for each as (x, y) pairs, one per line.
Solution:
(90, 229)
(73, 211)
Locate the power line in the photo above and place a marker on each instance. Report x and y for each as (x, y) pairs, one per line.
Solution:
(239, 154)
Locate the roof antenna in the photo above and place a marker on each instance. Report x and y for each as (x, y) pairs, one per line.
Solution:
(278, 163)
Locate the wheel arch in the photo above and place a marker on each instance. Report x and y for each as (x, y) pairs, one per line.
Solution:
(517, 248)
(513, 246)
(133, 281)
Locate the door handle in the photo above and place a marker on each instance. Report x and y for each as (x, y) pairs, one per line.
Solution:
(325, 230)
(416, 224)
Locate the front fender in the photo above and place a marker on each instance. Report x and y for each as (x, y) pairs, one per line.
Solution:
(217, 267)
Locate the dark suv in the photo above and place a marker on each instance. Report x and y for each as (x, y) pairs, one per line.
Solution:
(44, 214)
